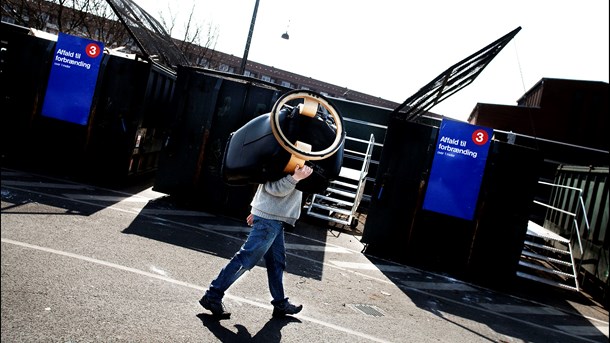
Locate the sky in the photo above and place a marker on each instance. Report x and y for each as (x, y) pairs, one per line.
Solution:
(392, 48)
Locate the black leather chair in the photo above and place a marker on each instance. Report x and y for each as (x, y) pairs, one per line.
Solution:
(302, 128)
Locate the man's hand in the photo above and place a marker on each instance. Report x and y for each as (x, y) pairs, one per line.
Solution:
(250, 219)
(301, 172)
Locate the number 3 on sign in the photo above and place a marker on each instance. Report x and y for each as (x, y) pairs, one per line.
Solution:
(92, 50)
(480, 137)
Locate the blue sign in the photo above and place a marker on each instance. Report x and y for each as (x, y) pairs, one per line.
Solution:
(72, 80)
(457, 169)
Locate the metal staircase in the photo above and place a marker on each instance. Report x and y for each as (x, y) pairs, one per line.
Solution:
(547, 257)
(340, 201)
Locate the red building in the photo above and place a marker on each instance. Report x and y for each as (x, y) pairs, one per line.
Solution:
(568, 111)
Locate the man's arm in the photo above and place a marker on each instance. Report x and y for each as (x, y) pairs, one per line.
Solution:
(301, 173)
(285, 185)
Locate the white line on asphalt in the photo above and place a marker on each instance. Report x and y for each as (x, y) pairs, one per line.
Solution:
(520, 309)
(323, 248)
(190, 285)
(181, 213)
(438, 286)
(371, 266)
(150, 194)
(474, 307)
(585, 330)
(289, 246)
(109, 198)
(226, 228)
(45, 185)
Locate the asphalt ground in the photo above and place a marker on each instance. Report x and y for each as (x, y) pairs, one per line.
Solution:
(82, 263)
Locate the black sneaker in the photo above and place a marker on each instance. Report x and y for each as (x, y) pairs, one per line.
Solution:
(285, 309)
(216, 307)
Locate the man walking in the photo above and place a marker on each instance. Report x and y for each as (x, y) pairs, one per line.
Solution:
(275, 203)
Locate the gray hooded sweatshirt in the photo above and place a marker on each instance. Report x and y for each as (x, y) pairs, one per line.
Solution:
(278, 200)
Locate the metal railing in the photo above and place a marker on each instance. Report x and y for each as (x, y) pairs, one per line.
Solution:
(580, 207)
(574, 215)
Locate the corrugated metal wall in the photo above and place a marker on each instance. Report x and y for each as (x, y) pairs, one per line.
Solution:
(593, 184)
(485, 249)
(123, 136)
(208, 106)
(25, 65)
(205, 109)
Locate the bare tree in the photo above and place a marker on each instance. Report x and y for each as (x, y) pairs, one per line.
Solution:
(196, 43)
(168, 21)
(33, 13)
(95, 19)
(209, 53)
(71, 15)
(103, 25)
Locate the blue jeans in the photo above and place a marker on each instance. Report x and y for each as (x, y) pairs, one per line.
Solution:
(266, 239)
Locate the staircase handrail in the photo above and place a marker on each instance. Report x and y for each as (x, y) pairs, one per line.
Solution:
(364, 171)
(573, 215)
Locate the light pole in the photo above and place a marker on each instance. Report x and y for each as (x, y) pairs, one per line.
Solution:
(244, 59)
